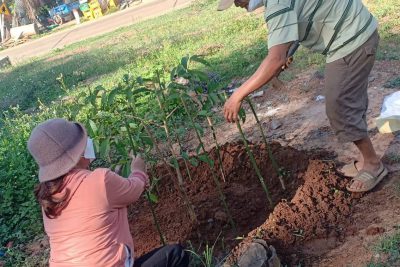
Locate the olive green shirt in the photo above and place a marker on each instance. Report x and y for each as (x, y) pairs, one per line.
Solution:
(333, 27)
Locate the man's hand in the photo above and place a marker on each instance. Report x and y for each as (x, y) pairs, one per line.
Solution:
(232, 107)
(269, 68)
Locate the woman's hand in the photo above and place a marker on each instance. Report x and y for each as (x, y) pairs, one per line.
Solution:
(138, 164)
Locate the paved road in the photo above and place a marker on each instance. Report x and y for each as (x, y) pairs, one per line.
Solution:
(89, 29)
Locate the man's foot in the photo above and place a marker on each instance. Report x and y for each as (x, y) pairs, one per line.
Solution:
(351, 169)
(368, 178)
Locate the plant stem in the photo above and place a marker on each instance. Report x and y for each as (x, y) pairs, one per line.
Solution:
(217, 183)
(217, 147)
(254, 163)
(153, 212)
(189, 206)
(184, 160)
(271, 156)
(128, 130)
(221, 166)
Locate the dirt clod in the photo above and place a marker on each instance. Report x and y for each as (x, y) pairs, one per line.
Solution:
(374, 230)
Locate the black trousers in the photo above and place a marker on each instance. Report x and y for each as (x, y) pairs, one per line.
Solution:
(166, 256)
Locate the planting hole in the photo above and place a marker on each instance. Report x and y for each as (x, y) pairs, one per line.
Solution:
(312, 206)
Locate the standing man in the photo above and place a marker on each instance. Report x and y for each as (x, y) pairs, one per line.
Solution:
(346, 33)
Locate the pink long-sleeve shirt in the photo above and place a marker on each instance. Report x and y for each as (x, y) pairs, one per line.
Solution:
(93, 229)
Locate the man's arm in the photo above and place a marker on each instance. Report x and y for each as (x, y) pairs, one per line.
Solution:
(269, 68)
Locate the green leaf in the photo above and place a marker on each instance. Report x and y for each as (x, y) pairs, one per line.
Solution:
(185, 155)
(203, 113)
(174, 96)
(214, 98)
(184, 62)
(111, 96)
(181, 71)
(199, 147)
(199, 128)
(152, 197)
(173, 74)
(93, 131)
(125, 78)
(200, 59)
(105, 148)
(174, 162)
(133, 125)
(93, 96)
(121, 148)
(96, 145)
(141, 90)
(104, 99)
(206, 159)
(200, 75)
(126, 170)
(194, 162)
(221, 98)
(146, 140)
(242, 115)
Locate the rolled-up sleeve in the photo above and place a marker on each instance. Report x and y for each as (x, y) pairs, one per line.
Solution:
(124, 191)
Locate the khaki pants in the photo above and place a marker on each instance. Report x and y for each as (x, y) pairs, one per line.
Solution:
(346, 83)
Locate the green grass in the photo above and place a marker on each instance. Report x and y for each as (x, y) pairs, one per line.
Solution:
(389, 251)
(393, 83)
(234, 42)
(388, 14)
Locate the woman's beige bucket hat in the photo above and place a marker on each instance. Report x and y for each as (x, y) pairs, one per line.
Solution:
(57, 145)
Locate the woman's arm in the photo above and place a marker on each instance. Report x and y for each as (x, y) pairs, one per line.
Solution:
(124, 191)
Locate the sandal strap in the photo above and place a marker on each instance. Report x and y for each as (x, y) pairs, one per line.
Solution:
(366, 176)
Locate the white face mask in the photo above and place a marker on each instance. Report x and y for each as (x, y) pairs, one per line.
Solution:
(89, 151)
(254, 4)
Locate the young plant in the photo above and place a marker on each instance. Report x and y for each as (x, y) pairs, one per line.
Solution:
(242, 116)
(206, 258)
(184, 155)
(138, 87)
(176, 89)
(206, 159)
(198, 81)
(279, 172)
(158, 87)
(153, 199)
(254, 163)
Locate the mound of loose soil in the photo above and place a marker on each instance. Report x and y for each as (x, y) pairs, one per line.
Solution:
(312, 206)
(318, 210)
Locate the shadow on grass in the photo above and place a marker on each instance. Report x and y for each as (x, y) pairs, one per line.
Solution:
(235, 46)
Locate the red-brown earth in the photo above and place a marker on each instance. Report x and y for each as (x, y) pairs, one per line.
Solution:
(313, 206)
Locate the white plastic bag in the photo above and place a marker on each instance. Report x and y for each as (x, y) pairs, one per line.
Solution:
(389, 120)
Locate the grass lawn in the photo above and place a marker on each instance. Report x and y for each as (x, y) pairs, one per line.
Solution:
(233, 41)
